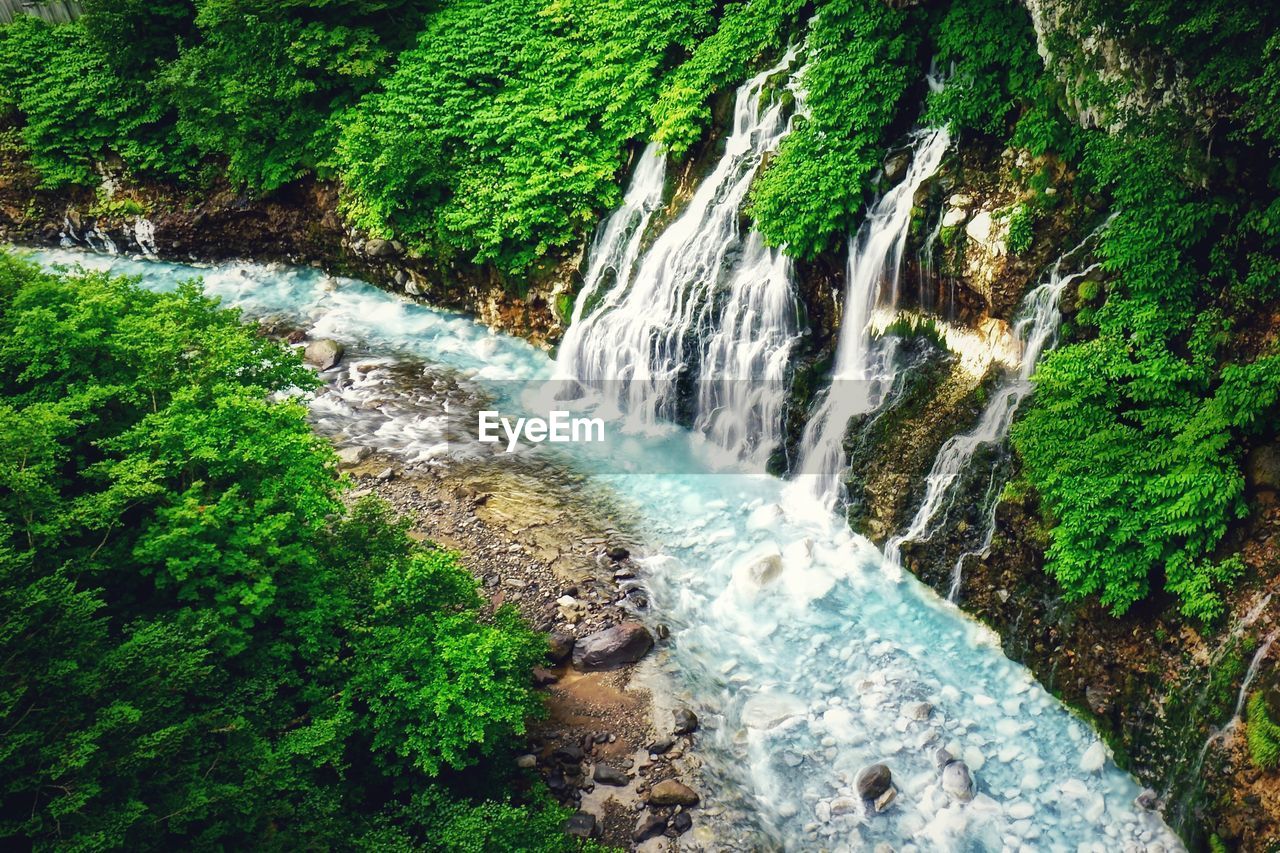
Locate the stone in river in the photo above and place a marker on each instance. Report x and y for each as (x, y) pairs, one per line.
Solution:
(613, 647)
(957, 782)
(671, 792)
(874, 781)
(686, 721)
(606, 775)
(324, 353)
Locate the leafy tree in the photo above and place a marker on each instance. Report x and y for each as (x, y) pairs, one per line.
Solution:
(202, 646)
(501, 135)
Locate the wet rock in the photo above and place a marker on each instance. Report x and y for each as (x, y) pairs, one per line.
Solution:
(542, 676)
(649, 826)
(1094, 758)
(349, 456)
(941, 757)
(559, 647)
(686, 722)
(1148, 799)
(661, 745)
(886, 799)
(606, 775)
(580, 824)
(917, 710)
(612, 647)
(896, 166)
(671, 792)
(324, 353)
(957, 781)
(682, 823)
(385, 475)
(844, 805)
(379, 248)
(873, 781)
(618, 554)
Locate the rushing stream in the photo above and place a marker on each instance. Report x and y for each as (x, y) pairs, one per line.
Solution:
(806, 654)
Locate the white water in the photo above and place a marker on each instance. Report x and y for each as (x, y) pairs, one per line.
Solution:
(1035, 330)
(800, 676)
(864, 368)
(700, 295)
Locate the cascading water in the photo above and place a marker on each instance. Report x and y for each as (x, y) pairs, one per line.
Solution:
(617, 243)
(864, 370)
(803, 661)
(660, 322)
(1036, 330)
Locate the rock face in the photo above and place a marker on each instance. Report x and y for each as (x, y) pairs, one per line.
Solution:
(324, 353)
(874, 781)
(612, 647)
(671, 792)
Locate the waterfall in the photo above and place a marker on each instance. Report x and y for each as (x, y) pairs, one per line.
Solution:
(617, 245)
(1036, 330)
(701, 295)
(863, 369)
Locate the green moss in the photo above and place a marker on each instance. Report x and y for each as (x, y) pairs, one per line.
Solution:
(1262, 734)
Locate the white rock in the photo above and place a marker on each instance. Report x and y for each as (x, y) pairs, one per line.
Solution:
(979, 227)
(1021, 810)
(953, 217)
(1094, 758)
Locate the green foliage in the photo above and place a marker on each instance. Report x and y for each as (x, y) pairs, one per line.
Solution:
(1134, 438)
(1022, 224)
(201, 646)
(1262, 734)
(862, 58)
(502, 133)
(986, 49)
(746, 31)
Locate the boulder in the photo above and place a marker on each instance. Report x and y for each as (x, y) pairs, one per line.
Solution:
(527, 761)
(686, 722)
(379, 248)
(886, 799)
(606, 775)
(618, 554)
(580, 824)
(559, 647)
(613, 647)
(896, 166)
(661, 745)
(324, 353)
(543, 676)
(349, 456)
(670, 792)
(649, 826)
(873, 781)
(682, 823)
(954, 216)
(957, 782)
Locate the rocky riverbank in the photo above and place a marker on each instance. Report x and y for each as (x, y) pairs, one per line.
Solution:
(609, 748)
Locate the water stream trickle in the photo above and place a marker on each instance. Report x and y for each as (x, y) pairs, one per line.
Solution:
(1035, 330)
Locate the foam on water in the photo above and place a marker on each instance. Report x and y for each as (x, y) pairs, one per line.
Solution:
(801, 649)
